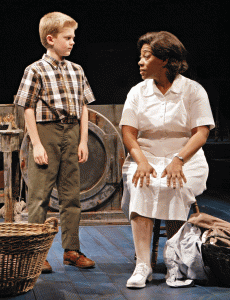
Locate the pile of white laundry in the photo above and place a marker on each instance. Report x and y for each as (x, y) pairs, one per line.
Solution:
(183, 255)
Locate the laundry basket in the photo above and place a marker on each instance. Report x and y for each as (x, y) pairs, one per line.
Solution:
(217, 258)
(23, 250)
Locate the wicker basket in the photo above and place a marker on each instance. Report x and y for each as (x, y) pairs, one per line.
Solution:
(23, 250)
(217, 258)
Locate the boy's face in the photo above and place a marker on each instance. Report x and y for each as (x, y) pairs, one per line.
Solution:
(62, 44)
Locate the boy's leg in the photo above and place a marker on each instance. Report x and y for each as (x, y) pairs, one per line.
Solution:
(68, 185)
(42, 178)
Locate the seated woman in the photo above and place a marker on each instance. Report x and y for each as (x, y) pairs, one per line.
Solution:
(165, 121)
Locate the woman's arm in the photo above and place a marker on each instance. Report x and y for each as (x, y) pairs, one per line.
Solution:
(83, 145)
(197, 140)
(174, 169)
(144, 169)
(40, 155)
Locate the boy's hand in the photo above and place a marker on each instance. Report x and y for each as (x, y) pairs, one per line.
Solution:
(40, 155)
(83, 152)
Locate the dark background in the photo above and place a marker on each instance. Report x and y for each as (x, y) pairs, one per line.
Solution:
(106, 42)
(106, 49)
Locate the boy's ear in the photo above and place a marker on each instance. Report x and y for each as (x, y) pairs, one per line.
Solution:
(49, 39)
(165, 62)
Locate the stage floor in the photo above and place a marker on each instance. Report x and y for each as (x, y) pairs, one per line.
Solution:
(111, 246)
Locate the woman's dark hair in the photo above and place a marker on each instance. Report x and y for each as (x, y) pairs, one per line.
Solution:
(164, 46)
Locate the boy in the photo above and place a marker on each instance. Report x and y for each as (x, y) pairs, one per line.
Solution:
(54, 93)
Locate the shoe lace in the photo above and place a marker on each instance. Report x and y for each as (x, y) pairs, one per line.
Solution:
(141, 268)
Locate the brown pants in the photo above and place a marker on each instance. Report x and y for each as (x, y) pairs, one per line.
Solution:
(61, 144)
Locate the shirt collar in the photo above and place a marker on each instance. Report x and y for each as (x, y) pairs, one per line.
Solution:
(177, 86)
(151, 88)
(53, 62)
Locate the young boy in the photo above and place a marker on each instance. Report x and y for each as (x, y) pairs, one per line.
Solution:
(54, 93)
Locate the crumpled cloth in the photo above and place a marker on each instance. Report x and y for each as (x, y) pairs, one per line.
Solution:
(183, 257)
(218, 230)
(18, 208)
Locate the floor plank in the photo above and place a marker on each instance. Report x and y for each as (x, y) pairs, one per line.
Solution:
(112, 248)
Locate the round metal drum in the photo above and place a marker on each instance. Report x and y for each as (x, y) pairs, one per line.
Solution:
(101, 174)
(92, 171)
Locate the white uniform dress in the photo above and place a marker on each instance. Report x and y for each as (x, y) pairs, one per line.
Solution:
(164, 124)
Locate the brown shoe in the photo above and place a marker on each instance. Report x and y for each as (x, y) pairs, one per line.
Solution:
(46, 268)
(77, 259)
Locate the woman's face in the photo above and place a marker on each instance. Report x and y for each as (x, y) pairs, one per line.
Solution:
(151, 67)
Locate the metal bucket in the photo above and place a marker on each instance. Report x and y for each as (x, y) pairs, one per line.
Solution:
(101, 174)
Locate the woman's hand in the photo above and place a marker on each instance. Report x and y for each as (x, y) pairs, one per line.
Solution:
(144, 170)
(40, 155)
(174, 173)
(83, 152)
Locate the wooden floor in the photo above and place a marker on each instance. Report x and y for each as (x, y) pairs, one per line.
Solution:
(112, 249)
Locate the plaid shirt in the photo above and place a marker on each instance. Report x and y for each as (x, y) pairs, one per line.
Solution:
(54, 89)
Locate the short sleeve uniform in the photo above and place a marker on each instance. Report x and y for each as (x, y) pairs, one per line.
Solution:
(164, 124)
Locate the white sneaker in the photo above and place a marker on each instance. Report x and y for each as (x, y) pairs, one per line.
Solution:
(141, 274)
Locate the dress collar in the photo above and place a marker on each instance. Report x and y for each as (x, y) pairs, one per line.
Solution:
(151, 88)
(53, 62)
(177, 86)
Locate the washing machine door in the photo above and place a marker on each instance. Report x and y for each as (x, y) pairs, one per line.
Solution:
(101, 174)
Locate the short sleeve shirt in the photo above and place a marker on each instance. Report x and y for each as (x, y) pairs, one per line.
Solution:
(184, 106)
(166, 118)
(54, 89)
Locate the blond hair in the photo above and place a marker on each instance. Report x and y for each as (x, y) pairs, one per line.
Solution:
(52, 23)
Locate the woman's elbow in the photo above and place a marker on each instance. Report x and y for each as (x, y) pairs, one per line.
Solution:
(205, 134)
(202, 132)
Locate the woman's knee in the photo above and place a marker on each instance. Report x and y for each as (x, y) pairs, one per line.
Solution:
(141, 220)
